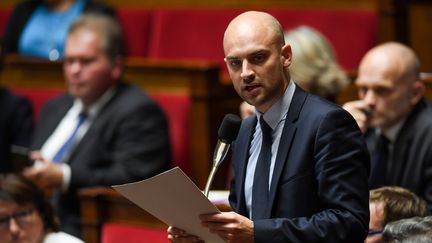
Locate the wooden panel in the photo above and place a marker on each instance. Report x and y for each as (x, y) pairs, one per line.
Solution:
(420, 32)
(102, 205)
(408, 22)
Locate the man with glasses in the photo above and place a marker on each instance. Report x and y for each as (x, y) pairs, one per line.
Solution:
(388, 204)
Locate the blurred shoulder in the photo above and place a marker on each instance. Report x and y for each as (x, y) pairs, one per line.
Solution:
(55, 237)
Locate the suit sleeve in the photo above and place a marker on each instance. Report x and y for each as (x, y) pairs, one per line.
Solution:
(341, 164)
(133, 146)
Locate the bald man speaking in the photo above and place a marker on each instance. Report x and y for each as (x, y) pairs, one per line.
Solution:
(300, 165)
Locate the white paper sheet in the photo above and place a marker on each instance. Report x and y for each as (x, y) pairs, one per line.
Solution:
(174, 199)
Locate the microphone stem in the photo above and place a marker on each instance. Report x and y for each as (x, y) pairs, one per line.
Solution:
(210, 180)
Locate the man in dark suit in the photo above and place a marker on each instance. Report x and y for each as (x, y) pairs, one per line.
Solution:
(104, 131)
(16, 124)
(396, 119)
(300, 165)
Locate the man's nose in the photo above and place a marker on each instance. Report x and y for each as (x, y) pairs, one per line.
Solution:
(14, 227)
(247, 73)
(370, 98)
(75, 66)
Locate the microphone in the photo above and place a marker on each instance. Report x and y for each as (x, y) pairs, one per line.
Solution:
(227, 133)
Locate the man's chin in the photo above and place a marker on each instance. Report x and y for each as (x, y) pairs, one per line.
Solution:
(76, 91)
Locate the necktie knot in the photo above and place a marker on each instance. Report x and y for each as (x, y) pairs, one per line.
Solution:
(383, 141)
(66, 147)
(265, 128)
(82, 116)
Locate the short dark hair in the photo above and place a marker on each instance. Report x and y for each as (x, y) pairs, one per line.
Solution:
(17, 189)
(398, 203)
(108, 29)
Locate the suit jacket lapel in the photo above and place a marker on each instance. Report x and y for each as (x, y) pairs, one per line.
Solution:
(50, 120)
(403, 145)
(99, 121)
(287, 137)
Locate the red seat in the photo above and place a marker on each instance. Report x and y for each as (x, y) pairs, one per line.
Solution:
(4, 17)
(37, 97)
(190, 34)
(177, 108)
(198, 33)
(352, 33)
(136, 30)
(117, 233)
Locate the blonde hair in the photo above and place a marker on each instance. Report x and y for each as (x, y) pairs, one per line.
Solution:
(314, 66)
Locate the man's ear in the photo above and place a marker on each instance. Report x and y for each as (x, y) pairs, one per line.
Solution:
(418, 91)
(286, 55)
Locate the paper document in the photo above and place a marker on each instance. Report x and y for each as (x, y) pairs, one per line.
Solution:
(174, 199)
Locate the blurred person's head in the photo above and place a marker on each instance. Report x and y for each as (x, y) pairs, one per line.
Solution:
(314, 66)
(388, 204)
(25, 214)
(411, 230)
(93, 60)
(389, 82)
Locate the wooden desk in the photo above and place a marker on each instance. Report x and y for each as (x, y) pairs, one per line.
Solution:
(102, 205)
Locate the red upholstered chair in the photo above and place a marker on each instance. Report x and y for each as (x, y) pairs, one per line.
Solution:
(38, 97)
(136, 28)
(190, 33)
(118, 233)
(4, 17)
(108, 217)
(177, 109)
(352, 33)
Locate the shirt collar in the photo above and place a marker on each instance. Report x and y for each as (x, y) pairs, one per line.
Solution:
(95, 108)
(278, 110)
(393, 131)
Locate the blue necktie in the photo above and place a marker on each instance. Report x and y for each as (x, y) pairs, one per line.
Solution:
(379, 162)
(260, 187)
(58, 157)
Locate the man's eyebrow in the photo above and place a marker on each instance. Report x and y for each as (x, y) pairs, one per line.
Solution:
(258, 52)
(231, 58)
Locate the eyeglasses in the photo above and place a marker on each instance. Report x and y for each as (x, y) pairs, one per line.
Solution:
(22, 218)
(375, 232)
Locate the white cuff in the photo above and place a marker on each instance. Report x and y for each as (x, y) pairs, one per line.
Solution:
(66, 176)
